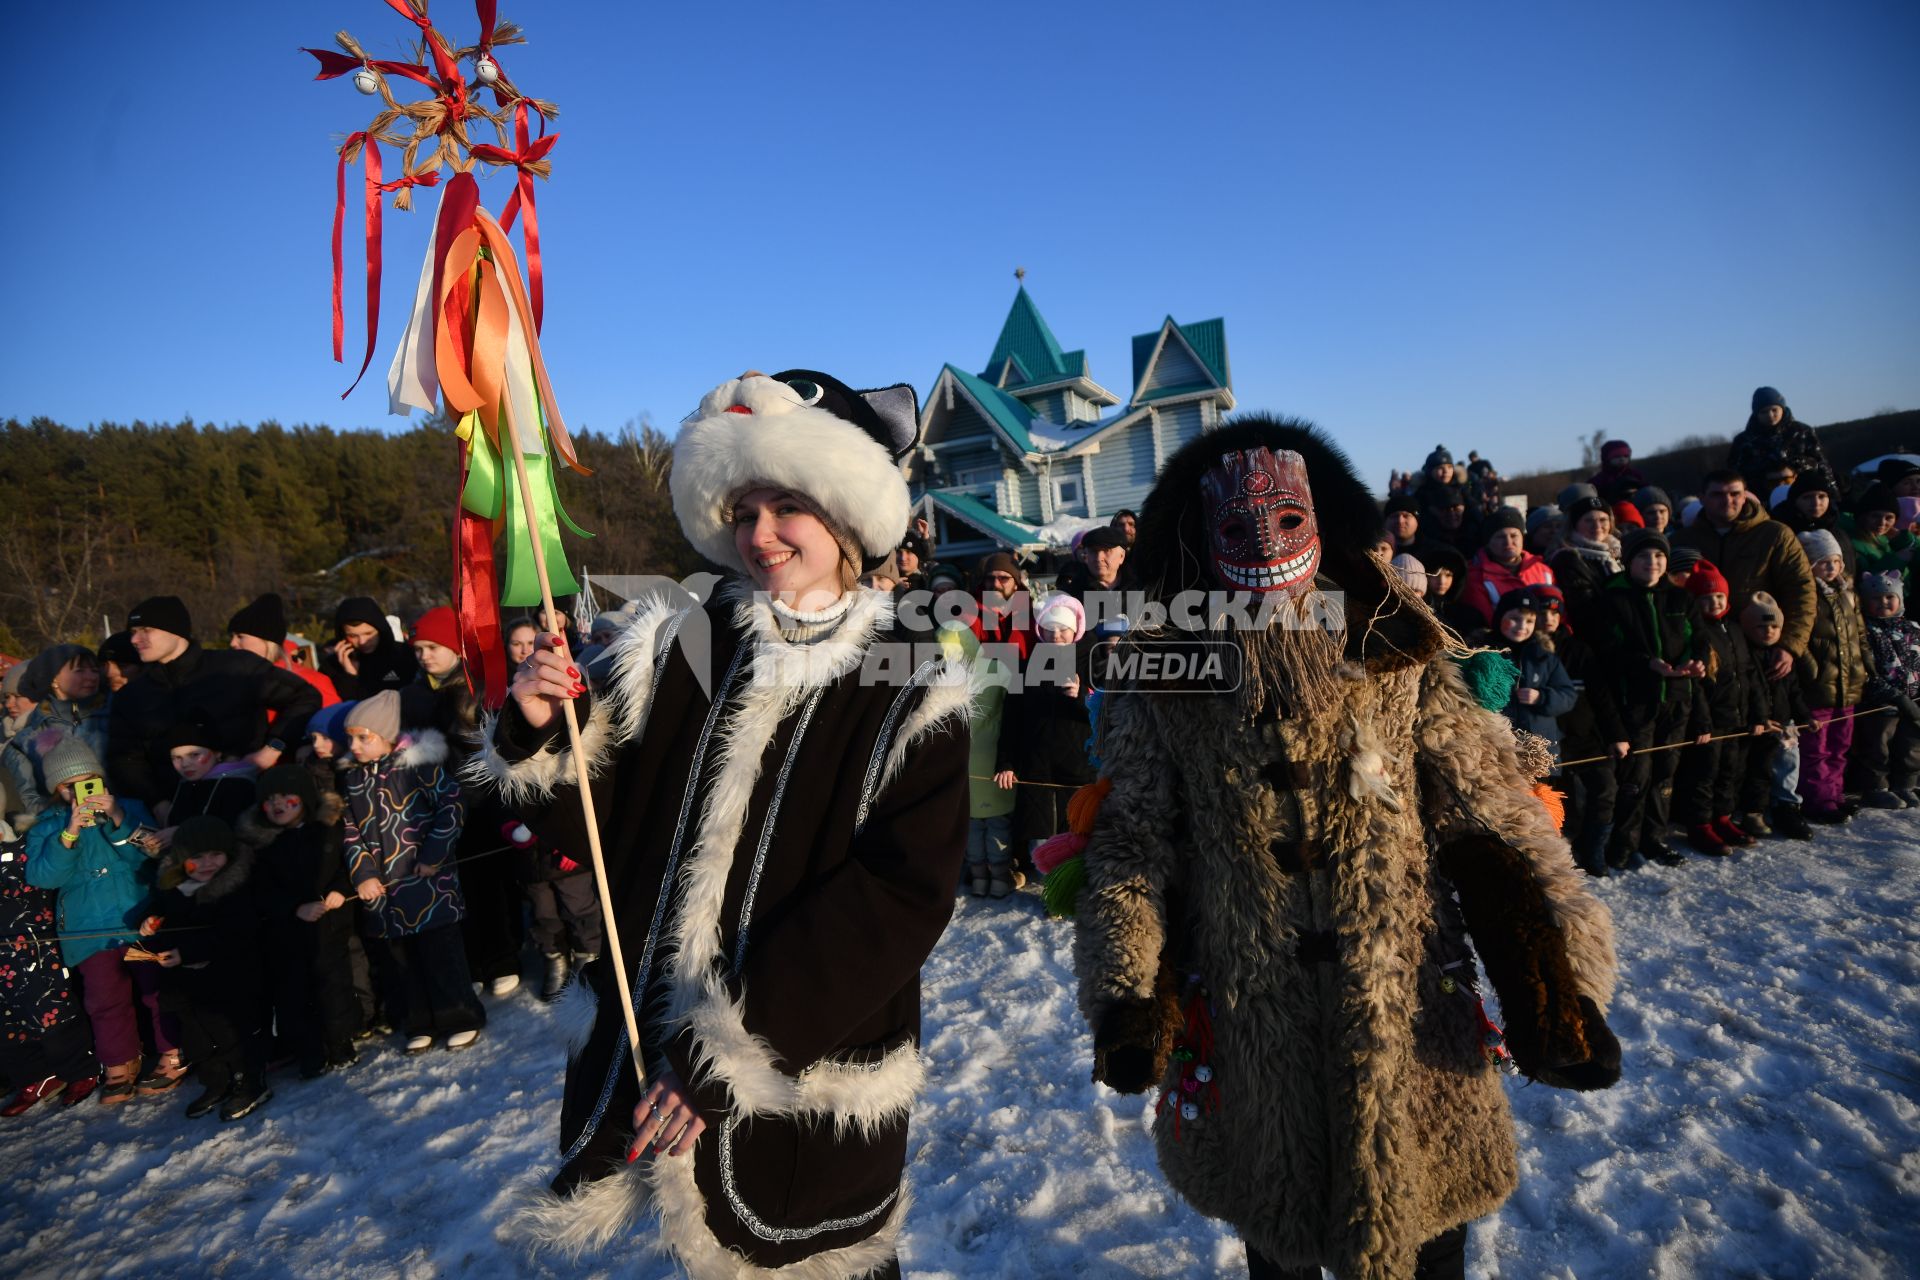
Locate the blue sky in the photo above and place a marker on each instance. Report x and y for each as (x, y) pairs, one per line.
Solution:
(1496, 225)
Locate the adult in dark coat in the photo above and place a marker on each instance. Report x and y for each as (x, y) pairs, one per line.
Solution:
(782, 839)
(1588, 555)
(365, 657)
(228, 692)
(1773, 438)
(46, 1045)
(1813, 502)
(1756, 553)
(1588, 734)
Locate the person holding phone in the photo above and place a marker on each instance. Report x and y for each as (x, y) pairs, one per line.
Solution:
(84, 848)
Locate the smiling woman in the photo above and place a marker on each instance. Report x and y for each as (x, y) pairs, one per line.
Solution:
(782, 850)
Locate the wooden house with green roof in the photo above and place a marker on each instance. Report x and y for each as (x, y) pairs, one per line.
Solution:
(1025, 453)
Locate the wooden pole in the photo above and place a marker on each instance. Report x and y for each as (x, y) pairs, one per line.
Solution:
(579, 750)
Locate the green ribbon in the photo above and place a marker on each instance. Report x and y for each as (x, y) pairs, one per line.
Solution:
(522, 583)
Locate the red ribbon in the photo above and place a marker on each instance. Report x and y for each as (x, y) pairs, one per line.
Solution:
(339, 64)
(476, 601)
(525, 153)
(453, 89)
(375, 187)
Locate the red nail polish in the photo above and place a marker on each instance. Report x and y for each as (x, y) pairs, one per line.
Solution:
(634, 1153)
(573, 672)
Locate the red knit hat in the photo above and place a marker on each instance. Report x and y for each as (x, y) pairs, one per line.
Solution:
(1627, 515)
(437, 625)
(1707, 580)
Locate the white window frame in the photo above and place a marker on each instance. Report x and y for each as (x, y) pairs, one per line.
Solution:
(1061, 501)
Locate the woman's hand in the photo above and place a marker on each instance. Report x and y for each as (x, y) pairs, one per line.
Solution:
(546, 679)
(1005, 780)
(370, 890)
(666, 1119)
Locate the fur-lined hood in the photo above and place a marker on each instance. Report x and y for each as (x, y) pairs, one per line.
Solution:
(256, 833)
(173, 872)
(417, 749)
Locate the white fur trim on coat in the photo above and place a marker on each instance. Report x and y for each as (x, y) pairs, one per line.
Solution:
(420, 749)
(853, 1096)
(574, 1011)
(619, 713)
(784, 444)
(611, 1210)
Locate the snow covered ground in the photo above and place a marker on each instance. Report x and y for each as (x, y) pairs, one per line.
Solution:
(1768, 1124)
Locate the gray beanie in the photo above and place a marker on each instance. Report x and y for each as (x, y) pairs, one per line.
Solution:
(1651, 496)
(1682, 558)
(1889, 583)
(1411, 572)
(10, 682)
(1819, 544)
(1541, 515)
(1573, 493)
(68, 759)
(379, 714)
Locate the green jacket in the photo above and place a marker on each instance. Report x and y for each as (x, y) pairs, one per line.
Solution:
(984, 799)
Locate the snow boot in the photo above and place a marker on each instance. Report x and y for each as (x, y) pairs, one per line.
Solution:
(1827, 817)
(1883, 798)
(462, 1040)
(32, 1095)
(1754, 824)
(979, 881)
(210, 1098)
(1657, 851)
(999, 882)
(248, 1094)
(1704, 838)
(1912, 796)
(1730, 832)
(504, 985)
(558, 972)
(122, 1084)
(342, 1057)
(419, 1044)
(1790, 822)
(169, 1069)
(79, 1091)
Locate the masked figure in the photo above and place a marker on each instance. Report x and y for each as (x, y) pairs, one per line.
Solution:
(1287, 883)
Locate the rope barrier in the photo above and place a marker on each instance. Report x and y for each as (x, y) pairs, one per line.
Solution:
(1849, 714)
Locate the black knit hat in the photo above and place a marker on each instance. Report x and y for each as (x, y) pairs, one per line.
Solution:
(162, 613)
(205, 834)
(364, 609)
(1638, 540)
(1527, 597)
(288, 780)
(191, 732)
(1877, 498)
(118, 649)
(1504, 517)
(1581, 506)
(1401, 502)
(1438, 456)
(266, 618)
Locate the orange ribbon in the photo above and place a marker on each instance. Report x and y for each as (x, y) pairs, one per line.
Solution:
(528, 157)
(470, 341)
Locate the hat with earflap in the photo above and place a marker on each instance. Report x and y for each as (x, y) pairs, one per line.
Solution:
(834, 449)
(288, 780)
(199, 835)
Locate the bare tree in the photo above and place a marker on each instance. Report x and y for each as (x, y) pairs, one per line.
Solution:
(54, 582)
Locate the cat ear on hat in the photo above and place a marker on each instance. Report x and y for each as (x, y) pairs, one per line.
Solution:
(898, 407)
(891, 415)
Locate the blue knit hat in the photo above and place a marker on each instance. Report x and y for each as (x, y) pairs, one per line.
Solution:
(1767, 397)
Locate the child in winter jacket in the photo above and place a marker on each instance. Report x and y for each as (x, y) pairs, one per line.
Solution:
(990, 790)
(84, 847)
(403, 820)
(1707, 789)
(1769, 794)
(1833, 678)
(1644, 631)
(45, 1048)
(206, 918)
(300, 876)
(1045, 726)
(1544, 691)
(1588, 733)
(211, 783)
(1886, 747)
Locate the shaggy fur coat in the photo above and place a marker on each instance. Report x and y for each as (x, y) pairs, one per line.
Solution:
(1311, 883)
(781, 858)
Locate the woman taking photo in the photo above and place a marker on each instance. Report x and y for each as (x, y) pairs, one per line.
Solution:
(781, 853)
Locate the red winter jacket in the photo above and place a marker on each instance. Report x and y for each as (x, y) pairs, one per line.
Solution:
(1488, 581)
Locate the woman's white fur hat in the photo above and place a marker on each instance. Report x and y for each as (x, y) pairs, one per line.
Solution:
(807, 433)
